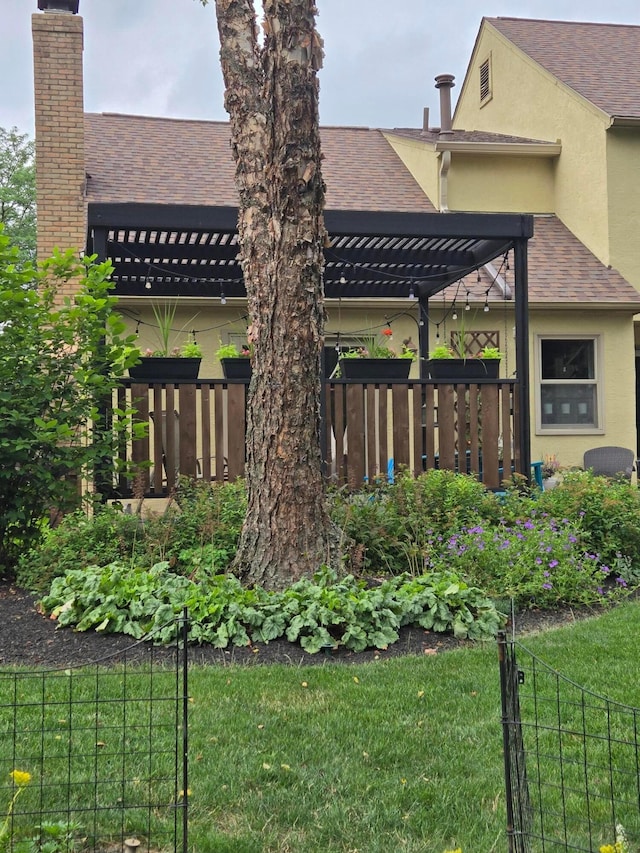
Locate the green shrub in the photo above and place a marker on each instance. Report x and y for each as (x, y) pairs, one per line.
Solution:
(608, 512)
(60, 357)
(79, 541)
(395, 522)
(204, 519)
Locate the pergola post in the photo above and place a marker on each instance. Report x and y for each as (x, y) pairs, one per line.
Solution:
(522, 350)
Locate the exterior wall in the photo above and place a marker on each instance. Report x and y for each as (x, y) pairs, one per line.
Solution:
(481, 182)
(617, 372)
(59, 122)
(623, 159)
(529, 102)
(501, 184)
(422, 161)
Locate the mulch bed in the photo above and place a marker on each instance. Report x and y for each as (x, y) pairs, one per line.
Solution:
(29, 638)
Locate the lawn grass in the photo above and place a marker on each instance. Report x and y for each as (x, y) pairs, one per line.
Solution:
(396, 755)
(402, 754)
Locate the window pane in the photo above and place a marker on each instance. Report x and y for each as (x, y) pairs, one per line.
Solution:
(565, 404)
(567, 359)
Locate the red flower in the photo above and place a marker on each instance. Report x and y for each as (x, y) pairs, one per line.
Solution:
(387, 332)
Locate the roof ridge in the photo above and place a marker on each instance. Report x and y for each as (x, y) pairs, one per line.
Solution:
(222, 122)
(558, 21)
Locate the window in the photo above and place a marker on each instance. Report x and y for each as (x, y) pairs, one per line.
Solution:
(485, 81)
(569, 395)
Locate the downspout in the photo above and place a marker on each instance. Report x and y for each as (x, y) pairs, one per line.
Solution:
(444, 82)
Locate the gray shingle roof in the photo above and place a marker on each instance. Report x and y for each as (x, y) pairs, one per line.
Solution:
(170, 161)
(599, 61)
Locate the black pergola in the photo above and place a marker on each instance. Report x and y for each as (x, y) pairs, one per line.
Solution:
(191, 251)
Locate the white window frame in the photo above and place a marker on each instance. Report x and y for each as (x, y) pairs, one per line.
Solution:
(571, 429)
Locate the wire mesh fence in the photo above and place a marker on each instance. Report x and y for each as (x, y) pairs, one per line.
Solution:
(572, 760)
(93, 758)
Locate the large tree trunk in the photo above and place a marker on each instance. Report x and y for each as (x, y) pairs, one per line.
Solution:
(272, 99)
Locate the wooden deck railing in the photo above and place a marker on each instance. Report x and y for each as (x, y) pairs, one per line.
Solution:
(198, 429)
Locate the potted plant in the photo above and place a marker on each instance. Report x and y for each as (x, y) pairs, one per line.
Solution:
(374, 359)
(167, 362)
(447, 364)
(550, 469)
(236, 363)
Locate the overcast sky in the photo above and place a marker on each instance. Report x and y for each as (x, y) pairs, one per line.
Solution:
(160, 57)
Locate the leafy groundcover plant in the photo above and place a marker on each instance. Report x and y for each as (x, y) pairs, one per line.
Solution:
(321, 613)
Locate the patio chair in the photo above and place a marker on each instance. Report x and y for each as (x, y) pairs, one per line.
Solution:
(610, 461)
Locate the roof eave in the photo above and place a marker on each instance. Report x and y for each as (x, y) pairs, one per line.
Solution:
(514, 149)
(623, 121)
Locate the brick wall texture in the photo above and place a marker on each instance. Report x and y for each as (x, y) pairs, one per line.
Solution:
(59, 121)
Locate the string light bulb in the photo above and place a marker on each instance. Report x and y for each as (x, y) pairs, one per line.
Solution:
(454, 312)
(223, 298)
(467, 307)
(342, 279)
(412, 294)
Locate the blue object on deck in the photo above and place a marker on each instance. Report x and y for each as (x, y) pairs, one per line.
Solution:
(536, 468)
(391, 474)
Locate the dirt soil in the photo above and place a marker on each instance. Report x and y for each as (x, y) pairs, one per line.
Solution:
(29, 638)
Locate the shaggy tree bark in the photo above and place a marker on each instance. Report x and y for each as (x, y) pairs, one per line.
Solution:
(272, 100)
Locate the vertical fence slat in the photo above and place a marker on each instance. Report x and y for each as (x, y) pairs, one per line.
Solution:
(170, 437)
(490, 434)
(430, 426)
(373, 440)
(187, 430)
(140, 447)
(418, 429)
(236, 405)
(446, 427)
(400, 398)
(506, 431)
(340, 432)
(218, 399)
(355, 435)
(461, 392)
(205, 430)
(474, 420)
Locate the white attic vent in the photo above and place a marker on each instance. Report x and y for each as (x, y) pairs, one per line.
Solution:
(485, 80)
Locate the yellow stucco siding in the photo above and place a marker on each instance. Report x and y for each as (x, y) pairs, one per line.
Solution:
(616, 373)
(623, 160)
(528, 102)
(501, 184)
(421, 160)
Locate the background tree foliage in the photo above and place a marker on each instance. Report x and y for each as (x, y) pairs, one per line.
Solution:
(18, 191)
(59, 359)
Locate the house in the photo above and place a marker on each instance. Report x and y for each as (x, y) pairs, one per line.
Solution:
(428, 238)
(548, 122)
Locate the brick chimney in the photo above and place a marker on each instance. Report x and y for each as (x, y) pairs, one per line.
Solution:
(59, 118)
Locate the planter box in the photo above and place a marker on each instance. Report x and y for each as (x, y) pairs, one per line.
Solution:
(166, 369)
(375, 369)
(463, 369)
(236, 368)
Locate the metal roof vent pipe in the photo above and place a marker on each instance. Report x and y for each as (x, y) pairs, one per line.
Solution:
(445, 83)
